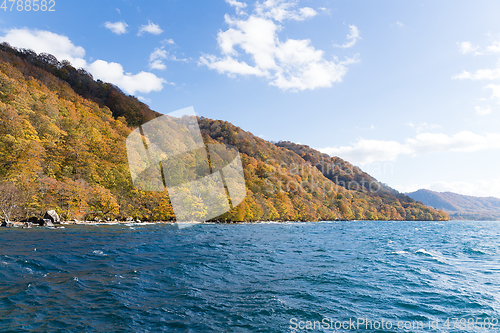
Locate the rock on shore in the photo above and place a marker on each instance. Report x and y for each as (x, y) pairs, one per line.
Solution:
(52, 216)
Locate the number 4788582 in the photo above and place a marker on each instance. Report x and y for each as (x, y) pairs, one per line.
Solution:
(28, 5)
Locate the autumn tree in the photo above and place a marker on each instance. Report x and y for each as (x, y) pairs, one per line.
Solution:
(11, 199)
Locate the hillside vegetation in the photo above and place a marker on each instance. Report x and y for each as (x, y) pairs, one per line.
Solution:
(62, 147)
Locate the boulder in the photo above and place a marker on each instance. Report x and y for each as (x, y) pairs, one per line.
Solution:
(129, 219)
(46, 223)
(52, 216)
(6, 224)
(32, 219)
(27, 225)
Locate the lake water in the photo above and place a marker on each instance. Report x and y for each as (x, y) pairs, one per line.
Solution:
(272, 277)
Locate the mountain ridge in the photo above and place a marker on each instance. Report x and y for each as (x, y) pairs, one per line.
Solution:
(66, 150)
(460, 206)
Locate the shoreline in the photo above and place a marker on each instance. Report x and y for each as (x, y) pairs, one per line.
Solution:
(92, 223)
(62, 224)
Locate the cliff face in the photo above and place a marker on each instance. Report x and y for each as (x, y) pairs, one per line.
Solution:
(62, 146)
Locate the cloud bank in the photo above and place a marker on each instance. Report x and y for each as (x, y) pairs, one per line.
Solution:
(368, 151)
(251, 46)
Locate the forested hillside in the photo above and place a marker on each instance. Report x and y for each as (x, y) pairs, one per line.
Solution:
(103, 93)
(62, 147)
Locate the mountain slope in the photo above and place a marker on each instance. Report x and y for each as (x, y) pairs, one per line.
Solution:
(105, 94)
(62, 151)
(460, 206)
(342, 172)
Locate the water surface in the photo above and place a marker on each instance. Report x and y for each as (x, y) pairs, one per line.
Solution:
(249, 277)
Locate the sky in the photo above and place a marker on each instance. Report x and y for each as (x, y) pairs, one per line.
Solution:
(407, 90)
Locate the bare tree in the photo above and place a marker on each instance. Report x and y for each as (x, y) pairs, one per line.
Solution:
(11, 201)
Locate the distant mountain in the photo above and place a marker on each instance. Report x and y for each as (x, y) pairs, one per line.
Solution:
(460, 206)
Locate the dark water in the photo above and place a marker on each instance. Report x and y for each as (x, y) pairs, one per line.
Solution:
(252, 277)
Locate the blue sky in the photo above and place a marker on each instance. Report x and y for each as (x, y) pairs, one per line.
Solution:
(408, 90)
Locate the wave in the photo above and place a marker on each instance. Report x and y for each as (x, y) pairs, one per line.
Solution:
(473, 251)
(400, 252)
(432, 255)
(99, 253)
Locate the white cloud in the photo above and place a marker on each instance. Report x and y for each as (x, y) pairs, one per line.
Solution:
(151, 28)
(490, 74)
(481, 111)
(467, 47)
(464, 141)
(173, 57)
(368, 151)
(325, 10)
(156, 59)
(495, 91)
(230, 66)
(281, 10)
(352, 37)
(168, 41)
(238, 5)
(398, 24)
(113, 72)
(157, 64)
(63, 49)
(251, 46)
(144, 99)
(117, 27)
(494, 48)
(481, 74)
(42, 41)
(419, 128)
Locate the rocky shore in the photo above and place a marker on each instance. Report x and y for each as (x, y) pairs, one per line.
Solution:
(52, 220)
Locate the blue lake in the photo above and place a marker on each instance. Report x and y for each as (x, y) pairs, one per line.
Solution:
(269, 277)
